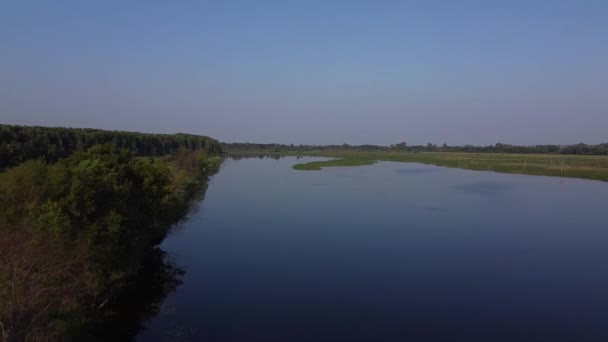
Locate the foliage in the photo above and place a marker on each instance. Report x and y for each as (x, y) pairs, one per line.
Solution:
(601, 149)
(21, 143)
(74, 234)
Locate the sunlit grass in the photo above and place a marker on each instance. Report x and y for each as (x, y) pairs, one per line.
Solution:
(576, 166)
(350, 161)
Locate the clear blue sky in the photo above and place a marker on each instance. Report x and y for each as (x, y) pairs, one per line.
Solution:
(318, 72)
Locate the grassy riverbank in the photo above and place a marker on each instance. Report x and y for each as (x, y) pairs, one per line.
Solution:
(575, 166)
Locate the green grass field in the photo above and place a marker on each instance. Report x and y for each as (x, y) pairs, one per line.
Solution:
(575, 166)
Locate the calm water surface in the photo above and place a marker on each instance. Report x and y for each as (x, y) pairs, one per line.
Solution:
(389, 252)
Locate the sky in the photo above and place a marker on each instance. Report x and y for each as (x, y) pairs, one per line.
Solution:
(312, 72)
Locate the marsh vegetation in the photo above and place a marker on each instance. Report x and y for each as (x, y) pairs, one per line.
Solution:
(573, 166)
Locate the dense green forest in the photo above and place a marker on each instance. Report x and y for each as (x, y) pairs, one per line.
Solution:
(78, 233)
(21, 143)
(578, 149)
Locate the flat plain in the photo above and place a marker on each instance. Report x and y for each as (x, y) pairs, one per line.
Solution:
(558, 165)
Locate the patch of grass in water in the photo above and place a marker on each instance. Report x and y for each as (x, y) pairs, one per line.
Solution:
(572, 166)
(334, 162)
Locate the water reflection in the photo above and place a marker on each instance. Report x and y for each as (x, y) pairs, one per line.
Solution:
(275, 156)
(375, 254)
(140, 300)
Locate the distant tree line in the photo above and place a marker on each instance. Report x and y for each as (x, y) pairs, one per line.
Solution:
(600, 149)
(21, 143)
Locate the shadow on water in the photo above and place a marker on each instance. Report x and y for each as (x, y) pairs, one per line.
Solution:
(193, 208)
(140, 300)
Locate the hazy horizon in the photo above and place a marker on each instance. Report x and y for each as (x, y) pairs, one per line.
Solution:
(314, 72)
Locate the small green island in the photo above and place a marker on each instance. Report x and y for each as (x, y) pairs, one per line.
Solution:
(318, 165)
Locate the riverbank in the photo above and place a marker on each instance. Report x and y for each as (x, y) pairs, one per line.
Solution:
(80, 236)
(573, 166)
(556, 165)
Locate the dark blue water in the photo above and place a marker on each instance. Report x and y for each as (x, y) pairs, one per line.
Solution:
(389, 252)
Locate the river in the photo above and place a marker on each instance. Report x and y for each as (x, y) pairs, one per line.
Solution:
(388, 252)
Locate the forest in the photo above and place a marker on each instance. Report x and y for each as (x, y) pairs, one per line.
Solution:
(578, 149)
(82, 212)
(21, 143)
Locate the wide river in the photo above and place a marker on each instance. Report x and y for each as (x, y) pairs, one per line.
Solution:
(389, 252)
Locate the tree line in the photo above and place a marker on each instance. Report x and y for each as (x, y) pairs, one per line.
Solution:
(582, 149)
(78, 233)
(21, 143)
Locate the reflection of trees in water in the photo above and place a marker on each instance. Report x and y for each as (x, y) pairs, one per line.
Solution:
(194, 207)
(140, 301)
(238, 156)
